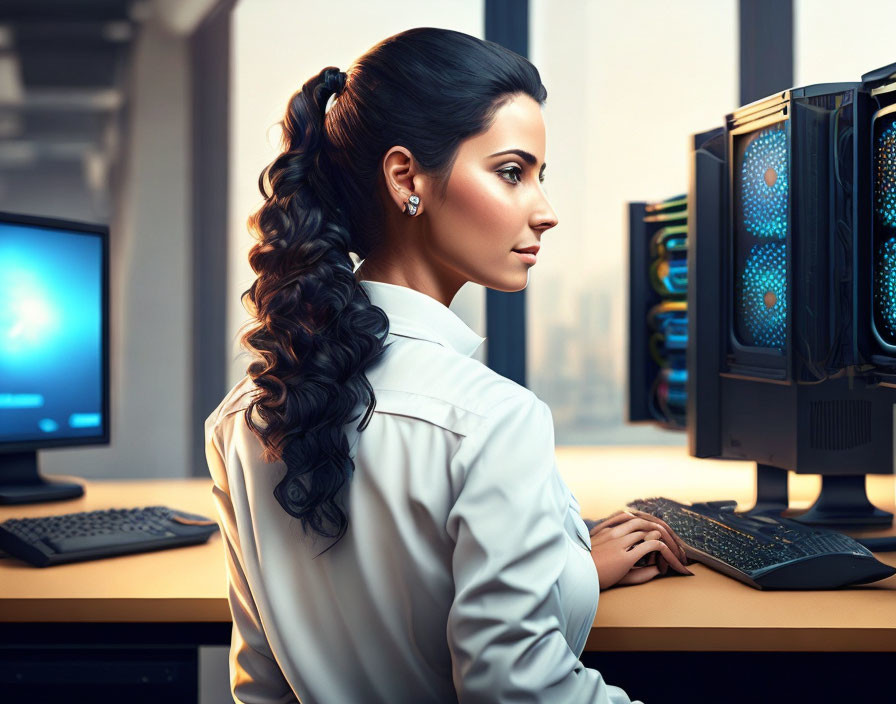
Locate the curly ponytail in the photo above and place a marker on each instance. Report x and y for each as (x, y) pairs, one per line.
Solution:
(314, 330)
(317, 330)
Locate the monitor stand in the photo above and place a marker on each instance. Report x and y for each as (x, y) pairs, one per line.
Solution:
(843, 500)
(21, 483)
(771, 490)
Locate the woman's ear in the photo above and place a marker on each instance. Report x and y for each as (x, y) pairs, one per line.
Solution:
(403, 178)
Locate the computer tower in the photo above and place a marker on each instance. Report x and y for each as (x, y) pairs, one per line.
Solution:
(788, 396)
(657, 315)
(706, 222)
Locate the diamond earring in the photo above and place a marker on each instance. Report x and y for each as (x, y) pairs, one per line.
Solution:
(410, 205)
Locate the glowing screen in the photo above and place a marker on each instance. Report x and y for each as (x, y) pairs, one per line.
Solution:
(51, 334)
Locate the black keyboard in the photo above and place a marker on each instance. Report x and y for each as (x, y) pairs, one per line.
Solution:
(764, 551)
(69, 537)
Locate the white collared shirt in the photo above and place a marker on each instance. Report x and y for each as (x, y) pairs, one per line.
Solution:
(465, 573)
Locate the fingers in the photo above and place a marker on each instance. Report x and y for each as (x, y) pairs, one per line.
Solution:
(639, 575)
(612, 520)
(668, 536)
(626, 541)
(660, 521)
(616, 527)
(664, 550)
(636, 524)
(626, 522)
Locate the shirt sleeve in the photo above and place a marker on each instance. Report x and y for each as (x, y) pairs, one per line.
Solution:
(505, 626)
(255, 676)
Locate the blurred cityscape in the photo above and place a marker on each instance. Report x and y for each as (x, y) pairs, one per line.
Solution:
(577, 362)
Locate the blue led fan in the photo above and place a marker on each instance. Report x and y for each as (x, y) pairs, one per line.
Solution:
(763, 295)
(885, 210)
(764, 184)
(885, 287)
(885, 176)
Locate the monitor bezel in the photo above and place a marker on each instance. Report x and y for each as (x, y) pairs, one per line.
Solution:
(102, 231)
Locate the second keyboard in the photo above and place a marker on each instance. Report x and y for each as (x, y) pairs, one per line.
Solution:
(764, 551)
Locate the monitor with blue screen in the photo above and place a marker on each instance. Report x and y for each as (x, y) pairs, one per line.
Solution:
(54, 362)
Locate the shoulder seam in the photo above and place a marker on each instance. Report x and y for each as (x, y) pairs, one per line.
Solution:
(526, 393)
(530, 397)
(440, 399)
(228, 409)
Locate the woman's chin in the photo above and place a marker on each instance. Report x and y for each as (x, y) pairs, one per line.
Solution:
(520, 282)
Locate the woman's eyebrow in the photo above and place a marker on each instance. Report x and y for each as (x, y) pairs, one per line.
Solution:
(526, 156)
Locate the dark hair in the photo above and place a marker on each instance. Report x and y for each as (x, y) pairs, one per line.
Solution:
(314, 327)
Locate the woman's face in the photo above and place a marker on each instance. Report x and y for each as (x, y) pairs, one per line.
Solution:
(495, 201)
(494, 204)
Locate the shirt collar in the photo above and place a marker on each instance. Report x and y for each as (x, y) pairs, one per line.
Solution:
(415, 314)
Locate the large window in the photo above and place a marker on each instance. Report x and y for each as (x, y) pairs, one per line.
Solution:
(836, 41)
(628, 83)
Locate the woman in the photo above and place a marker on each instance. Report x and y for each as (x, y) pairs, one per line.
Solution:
(461, 569)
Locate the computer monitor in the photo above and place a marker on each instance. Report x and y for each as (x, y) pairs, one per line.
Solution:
(54, 348)
(776, 268)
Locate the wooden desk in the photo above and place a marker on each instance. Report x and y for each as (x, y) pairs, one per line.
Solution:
(182, 585)
(709, 638)
(178, 597)
(711, 611)
(126, 628)
(706, 612)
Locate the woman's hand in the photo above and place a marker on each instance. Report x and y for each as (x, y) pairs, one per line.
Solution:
(620, 540)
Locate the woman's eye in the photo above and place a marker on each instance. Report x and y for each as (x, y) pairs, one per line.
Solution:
(516, 171)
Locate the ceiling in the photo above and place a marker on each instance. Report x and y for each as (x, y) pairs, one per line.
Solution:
(63, 79)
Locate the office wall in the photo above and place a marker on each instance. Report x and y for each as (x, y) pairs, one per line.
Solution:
(150, 285)
(836, 41)
(628, 83)
(277, 46)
